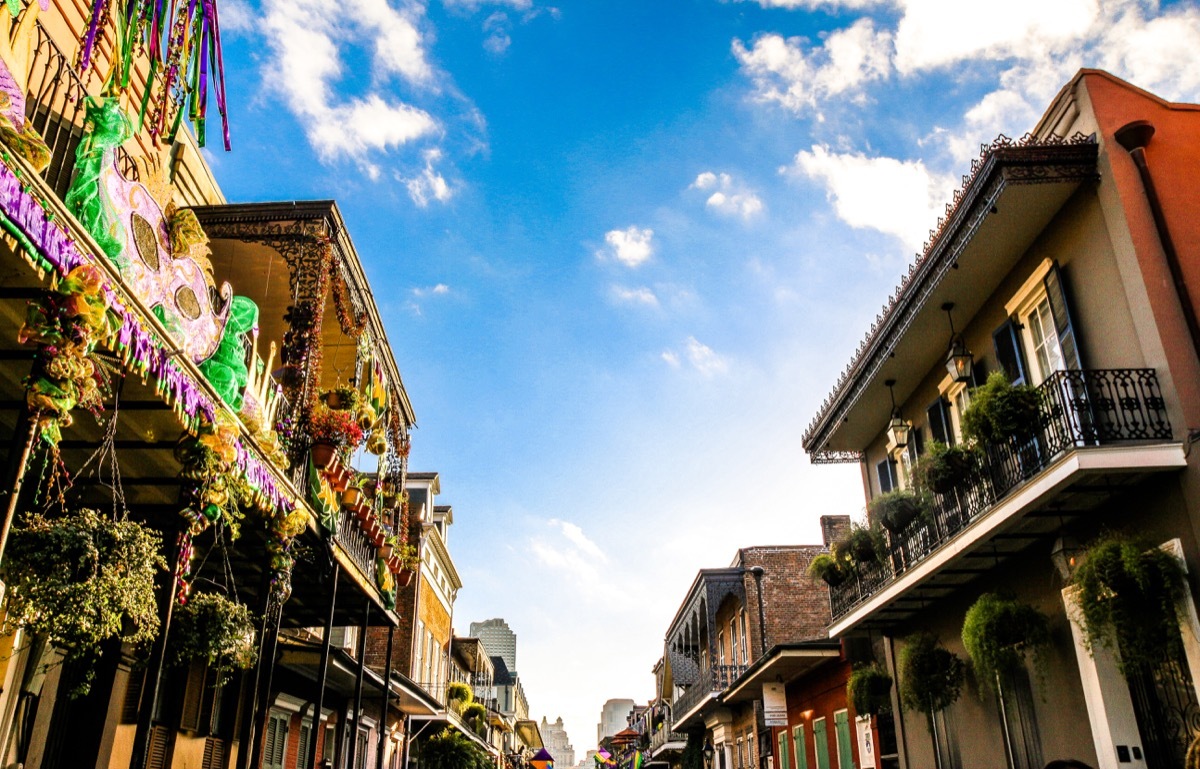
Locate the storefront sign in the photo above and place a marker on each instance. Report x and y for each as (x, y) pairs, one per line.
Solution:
(774, 705)
(866, 742)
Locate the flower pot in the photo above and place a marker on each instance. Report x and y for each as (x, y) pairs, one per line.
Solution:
(340, 478)
(394, 564)
(385, 551)
(379, 538)
(334, 400)
(404, 577)
(362, 513)
(352, 497)
(323, 455)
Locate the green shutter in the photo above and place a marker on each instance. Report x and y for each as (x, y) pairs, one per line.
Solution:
(821, 744)
(784, 763)
(275, 744)
(841, 723)
(1057, 295)
(798, 744)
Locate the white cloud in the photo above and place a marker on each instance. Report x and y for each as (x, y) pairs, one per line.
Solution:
(496, 27)
(699, 356)
(474, 5)
(631, 246)
(797, 75)
(441, 289)
(728, 197)
(815, 5)
(901, 198)
(640, 295)
(429, 184)
(576, 537)
(576, 559)
(305, 37)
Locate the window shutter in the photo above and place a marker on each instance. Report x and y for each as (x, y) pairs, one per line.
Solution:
(214, 753)
(304, 762)
(133, 697)
(193, 697)
(275, 744)
(1008, 352)
(916, 443)
(1056, 293)
(158, 751)
(800, 745)
(938, 417)
(884, 471)
(784, 757)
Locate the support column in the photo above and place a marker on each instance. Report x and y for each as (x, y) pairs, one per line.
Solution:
(358, 683)
(387, 699)
(269, 645)
(322, 672)
(23, 436)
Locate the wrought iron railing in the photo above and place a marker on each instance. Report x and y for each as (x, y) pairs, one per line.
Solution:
(663, 736)
(714, 680)
(355, 543)
(1078, 409)
(55, 105)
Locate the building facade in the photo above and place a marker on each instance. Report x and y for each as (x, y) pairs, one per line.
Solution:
(499, 638)
(1069, 267)
(554, 736)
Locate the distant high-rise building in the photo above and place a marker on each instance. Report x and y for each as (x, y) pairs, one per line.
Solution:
(499, 640)
(613, 718)
(554, 737)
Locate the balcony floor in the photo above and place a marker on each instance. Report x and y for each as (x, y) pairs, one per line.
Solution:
(1072, 485)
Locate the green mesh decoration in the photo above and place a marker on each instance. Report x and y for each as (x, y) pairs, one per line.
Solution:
(226, 369)
(105, 129)
(326, 512)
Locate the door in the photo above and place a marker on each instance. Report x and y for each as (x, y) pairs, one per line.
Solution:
(821, 744)
(1164, 703)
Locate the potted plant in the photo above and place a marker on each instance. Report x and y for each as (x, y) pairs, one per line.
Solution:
(1000, 410)
(896, 510)
(931, 677)
(1128, 598)
(341, 398)
(869, 690)
(833, 568)
(353, 495)
(999, 632)
(215, 629)
(332, 430)
(82, 578)
(942, 468)
(458, 696)
(862, 545)
(475, 714)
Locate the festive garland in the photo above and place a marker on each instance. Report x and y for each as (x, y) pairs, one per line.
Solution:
(352, 323)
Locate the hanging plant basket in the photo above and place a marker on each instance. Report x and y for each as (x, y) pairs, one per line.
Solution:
(323, 455)
(931, 677)
(81, 579)
(896, 510)
(1000, 411)
(862, 545)
(1128, 597)
(831, 568)
(216, 630)
(999, 633)
(869, 690)
(942, 468)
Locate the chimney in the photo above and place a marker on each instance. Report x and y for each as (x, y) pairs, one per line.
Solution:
(834, 528)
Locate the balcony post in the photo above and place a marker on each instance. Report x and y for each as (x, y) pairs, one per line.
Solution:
(356, 715)
(266, 666)
(387, 697)
(322, 672)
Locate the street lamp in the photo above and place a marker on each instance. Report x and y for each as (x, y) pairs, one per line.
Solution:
(959, 361)
(897, 428)
(708, 752)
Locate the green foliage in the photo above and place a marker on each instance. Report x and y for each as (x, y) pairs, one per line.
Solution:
(448, 749)
(1128, 593)
(869, 690)
(999, 633)
(476, 715)
(942, 468)
(215, 629)
(1000, 410)
(456, 691)
(931, 676)
(834, 568)
(862, 545)
(81, 579)
(895, 510)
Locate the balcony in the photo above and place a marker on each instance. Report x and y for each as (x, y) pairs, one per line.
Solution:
(665, 739)
(1108, 425)
(711, 683)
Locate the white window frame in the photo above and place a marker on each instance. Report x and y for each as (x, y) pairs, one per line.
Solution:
(958, 395)
(1023, 304)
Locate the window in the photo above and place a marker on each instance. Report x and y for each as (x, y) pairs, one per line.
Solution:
(721, 648)
(419, 667)
(784, 753)
(938, 417)
(886, 472)
(798, 744)
(741, 761)
(745, 639)
(275, 744)
(820, 744)
(733, 641)
(841, 727)
(1043, 328)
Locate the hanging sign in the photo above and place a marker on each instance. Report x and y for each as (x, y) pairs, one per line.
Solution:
(866, 742)
(774, 705)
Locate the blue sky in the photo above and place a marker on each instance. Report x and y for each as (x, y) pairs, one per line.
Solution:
(624, 248)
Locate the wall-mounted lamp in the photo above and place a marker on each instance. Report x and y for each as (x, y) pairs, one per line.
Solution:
(959, 360)
(1065, 556)
(708, 752)
(897, 428)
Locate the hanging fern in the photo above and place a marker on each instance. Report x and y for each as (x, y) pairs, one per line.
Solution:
(869, 690)
(1128, 593)
(999, 633)
(215, 629)
(931, 677)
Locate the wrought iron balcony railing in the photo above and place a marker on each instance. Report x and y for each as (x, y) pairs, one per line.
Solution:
(715, 680)
(665, 735)
(355, 543)
(1079, 409)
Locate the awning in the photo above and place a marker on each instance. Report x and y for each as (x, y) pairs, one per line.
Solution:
(782, 664)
